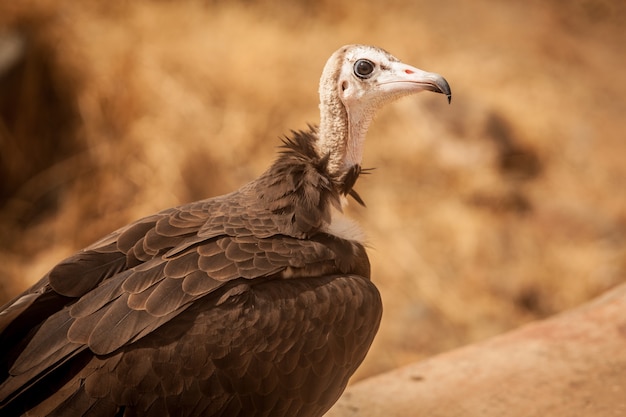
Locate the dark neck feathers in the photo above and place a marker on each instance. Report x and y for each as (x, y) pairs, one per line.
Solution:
(300, 187)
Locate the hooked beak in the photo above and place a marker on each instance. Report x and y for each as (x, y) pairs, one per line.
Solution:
(402, 78)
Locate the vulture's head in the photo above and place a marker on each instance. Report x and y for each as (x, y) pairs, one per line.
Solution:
(357, 81)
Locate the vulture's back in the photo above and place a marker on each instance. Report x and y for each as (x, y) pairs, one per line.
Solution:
(224, 307)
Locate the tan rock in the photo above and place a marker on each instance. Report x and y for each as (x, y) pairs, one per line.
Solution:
(573, 364)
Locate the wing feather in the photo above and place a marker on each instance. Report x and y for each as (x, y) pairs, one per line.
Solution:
(144, 276)
(168, 296)
(182, 265)
(198, 283)
(79, 274)
(47, 346)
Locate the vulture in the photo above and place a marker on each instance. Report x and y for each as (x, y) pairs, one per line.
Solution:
(254, 303)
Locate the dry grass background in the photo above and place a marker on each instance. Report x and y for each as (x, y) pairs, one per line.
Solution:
(505, 207)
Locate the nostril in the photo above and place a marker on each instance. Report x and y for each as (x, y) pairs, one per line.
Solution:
(408, 71)
(344, 86)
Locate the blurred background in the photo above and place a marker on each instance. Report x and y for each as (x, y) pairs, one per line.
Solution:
(505, 207)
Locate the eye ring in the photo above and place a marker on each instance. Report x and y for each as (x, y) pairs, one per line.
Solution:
(363, 68)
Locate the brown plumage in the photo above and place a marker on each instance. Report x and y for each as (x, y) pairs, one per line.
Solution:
(255, 303)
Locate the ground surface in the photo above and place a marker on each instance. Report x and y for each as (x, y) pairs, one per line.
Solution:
(570, 365)
(505, 207)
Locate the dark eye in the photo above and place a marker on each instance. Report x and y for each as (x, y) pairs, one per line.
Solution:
(363, 68)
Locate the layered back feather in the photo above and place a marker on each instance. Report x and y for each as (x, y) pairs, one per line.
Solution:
(169, 274)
